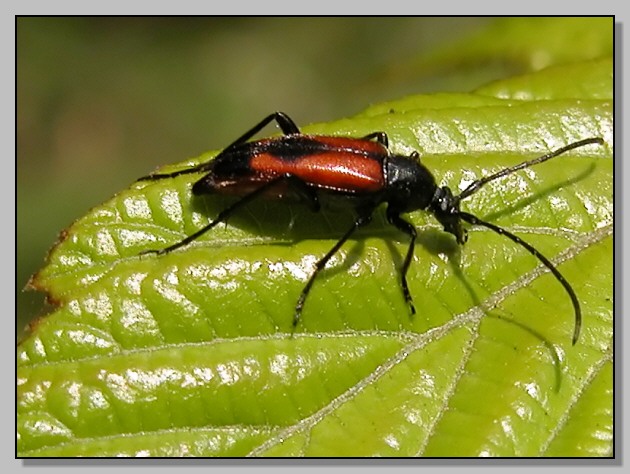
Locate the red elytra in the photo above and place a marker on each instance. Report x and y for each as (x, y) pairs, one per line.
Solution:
(350, 165)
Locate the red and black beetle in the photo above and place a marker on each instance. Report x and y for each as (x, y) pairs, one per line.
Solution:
(359, 173)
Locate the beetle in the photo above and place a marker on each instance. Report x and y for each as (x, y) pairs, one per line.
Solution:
(359, 173)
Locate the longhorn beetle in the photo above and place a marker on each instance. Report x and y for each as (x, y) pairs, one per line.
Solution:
(359, 173)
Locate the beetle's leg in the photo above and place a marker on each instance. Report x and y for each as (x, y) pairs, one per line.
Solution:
(285, 123)
(362, 220)
(200, 168)
(222, 217)
(394, 218)
(381, 137)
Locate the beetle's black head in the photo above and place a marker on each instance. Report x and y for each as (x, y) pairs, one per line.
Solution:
(445, 208)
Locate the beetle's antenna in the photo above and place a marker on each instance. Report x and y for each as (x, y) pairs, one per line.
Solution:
(471, 219)
(499, 230)
(475, 185)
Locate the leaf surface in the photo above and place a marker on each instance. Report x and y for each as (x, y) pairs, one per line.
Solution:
(193, 353)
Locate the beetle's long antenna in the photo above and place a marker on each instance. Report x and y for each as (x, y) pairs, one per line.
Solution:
(475, 185)
(499, 230)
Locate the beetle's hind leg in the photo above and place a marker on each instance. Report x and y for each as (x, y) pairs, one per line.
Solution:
(380, 137)
(285, 123)
(200, 168)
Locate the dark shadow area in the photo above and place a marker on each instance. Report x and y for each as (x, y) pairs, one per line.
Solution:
(553, 350)
(290, 221)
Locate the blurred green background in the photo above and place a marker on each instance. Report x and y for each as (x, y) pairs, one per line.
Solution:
(103, 101)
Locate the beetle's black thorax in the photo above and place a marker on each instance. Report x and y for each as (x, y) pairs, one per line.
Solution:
(409, 184)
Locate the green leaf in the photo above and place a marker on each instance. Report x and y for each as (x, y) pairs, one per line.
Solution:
(535, 43)
(558, 82)
(192, 353)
